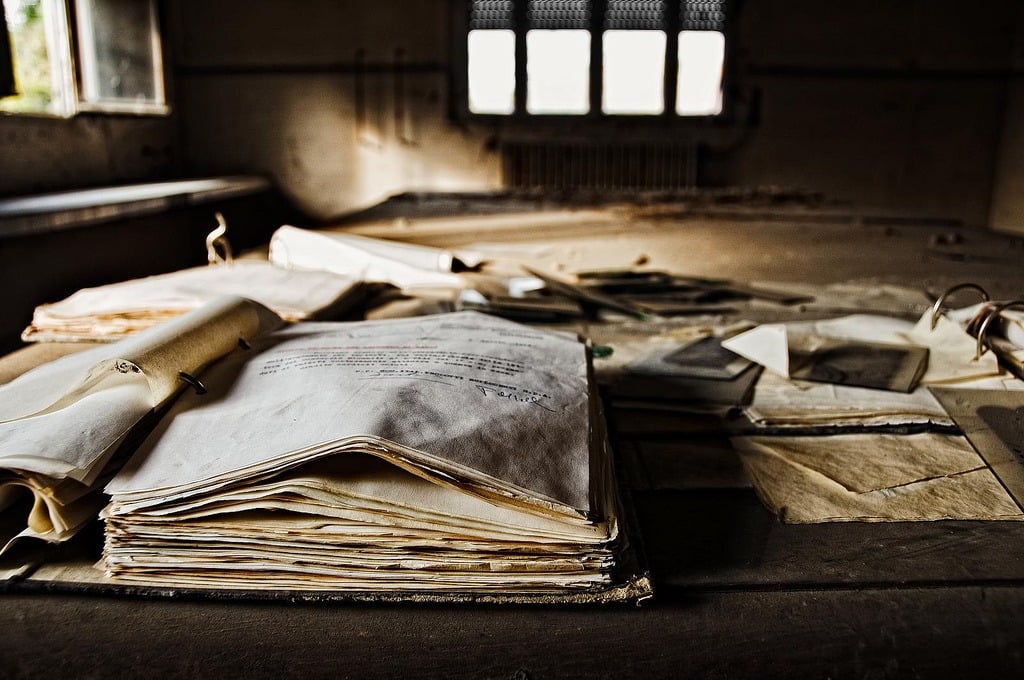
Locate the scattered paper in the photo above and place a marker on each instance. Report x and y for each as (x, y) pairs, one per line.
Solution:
(117, 310)
(860, 350)
(404, 265)
(873, 477)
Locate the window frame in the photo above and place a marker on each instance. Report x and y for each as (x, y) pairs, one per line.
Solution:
(595, 119)
(158, 106)
(64, 39)
(7, 88)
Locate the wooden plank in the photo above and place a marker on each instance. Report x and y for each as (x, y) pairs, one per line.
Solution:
(719, 539)
(876, 633)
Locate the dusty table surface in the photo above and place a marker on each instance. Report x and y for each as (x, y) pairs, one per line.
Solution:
(738, 594)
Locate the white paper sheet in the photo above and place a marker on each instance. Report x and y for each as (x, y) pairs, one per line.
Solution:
(404, 265)
(482, 395)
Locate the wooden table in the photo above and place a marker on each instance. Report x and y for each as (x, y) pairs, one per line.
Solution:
(738, 594)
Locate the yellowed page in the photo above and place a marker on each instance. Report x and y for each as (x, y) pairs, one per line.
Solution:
(874, 477)
(465, 395)
(63, 420)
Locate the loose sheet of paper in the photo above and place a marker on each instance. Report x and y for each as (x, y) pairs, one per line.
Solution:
(952, 352)
(873, 477)
(779, 402)
(403, 265)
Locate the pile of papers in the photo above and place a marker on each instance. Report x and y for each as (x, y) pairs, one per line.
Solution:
(63, 424)
(668, 365)
(426, 455)
(781, 403)
(310, 274)
(876, 453)
(118, 310)
(782, 400)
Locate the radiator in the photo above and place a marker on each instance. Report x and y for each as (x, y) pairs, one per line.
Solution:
(599, 165)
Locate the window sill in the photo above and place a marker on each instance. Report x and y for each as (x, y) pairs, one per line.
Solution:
(108, 109)
(42, 115)
(125, 108)
(59, 211)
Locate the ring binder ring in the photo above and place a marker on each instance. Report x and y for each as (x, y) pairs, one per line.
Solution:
(996, 311)
(937, 307)
(218, 237)
(198, 386)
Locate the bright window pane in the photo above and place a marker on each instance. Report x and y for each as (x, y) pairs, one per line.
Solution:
(492, 71)
(558, 71)
(634, 72)
(38, 36)
(701, 58)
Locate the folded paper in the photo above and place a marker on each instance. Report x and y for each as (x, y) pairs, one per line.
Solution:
(404, 265)
(874, 477)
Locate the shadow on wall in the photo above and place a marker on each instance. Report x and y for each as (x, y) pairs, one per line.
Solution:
(335, 142)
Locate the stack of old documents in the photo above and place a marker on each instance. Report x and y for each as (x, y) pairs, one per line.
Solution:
(453, 454)
(63, 424)
(117, 310)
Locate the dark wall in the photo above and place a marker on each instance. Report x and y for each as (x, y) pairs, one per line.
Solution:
(344, 102)
(1007, 213)
(897, 105)
(44, 153)
(893, 104)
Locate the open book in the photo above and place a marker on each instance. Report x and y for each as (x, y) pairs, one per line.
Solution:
(454, 454)
(62, 424)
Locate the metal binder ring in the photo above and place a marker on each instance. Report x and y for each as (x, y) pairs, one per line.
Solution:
(218, 237)
(199, 387)
(996, 311)
(937, 307)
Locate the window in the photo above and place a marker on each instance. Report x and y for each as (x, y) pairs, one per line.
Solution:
(491, 66)
(558, 71)
(7, 88)
(595, 58)
(84, 55)
(634, 72)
